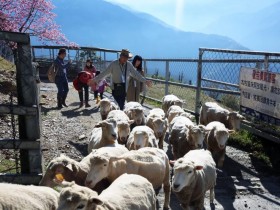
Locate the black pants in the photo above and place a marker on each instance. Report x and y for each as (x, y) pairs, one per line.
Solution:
(81, 93)
(119, 99)
(96, 94)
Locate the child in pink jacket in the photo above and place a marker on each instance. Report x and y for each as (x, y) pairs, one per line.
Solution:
(99, 87)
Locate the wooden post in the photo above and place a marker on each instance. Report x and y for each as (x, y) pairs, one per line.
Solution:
(29, 125)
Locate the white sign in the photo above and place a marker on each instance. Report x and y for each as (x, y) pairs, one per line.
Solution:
(260, 92)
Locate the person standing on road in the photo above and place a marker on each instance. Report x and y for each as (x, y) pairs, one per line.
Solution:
(88, 73)
(134, 86)
(120, 71)
(61, 80)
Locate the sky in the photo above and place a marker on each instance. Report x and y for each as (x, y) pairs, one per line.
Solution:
(193, 15)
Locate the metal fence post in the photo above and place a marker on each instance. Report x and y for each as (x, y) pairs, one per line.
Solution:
(166, 77)
(198, 86)
(266, 62)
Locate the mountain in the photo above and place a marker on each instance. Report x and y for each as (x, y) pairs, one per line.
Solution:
(259, 30)
(101, 24)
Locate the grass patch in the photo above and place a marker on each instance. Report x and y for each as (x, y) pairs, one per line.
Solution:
(7, 166)
(256, 146)
(6, 65)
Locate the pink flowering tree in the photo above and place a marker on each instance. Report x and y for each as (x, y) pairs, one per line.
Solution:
(34, 17)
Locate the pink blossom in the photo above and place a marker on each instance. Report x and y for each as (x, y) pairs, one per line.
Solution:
(34, 17)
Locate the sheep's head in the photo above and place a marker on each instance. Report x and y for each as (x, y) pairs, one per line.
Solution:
(159, 126)
(137, 115)
(235, 119)
(99, 165)
(221, 136)
(109, 129)
(124, 130)
(196, 136)
(141, 139)
(184, 174)
(76, 197)
(105, 107)
(62, 165)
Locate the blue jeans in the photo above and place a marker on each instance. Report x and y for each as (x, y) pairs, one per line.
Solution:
(62, 86)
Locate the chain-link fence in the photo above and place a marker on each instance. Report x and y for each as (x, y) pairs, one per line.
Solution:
(172, 76)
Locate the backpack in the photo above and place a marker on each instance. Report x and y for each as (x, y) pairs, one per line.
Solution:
(52, 71)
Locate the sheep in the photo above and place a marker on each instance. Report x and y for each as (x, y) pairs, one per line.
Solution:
(185, 136)
(14, 196)
(216, 140)
(141, 136)
(170, 100)
(123, 123)
(106, 106)
(135, 111)
(151, 163)
(103, 134)
(194, 174)
(157, 122)
(127, 192)
(72, 170)
(211, 111)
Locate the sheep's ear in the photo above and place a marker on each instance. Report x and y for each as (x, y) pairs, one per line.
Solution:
(72, 167)
(130, 122)
(198, 167)
(231, 131)
(95, 200)
(172, 162)
(99, 125)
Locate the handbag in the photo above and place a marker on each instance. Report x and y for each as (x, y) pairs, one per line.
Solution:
(52, 71)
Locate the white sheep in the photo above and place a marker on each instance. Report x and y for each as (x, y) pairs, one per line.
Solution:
(174, 111)
(211, 111)
(169, 100)
(123, 123)
(216, 140)
(135, 111)
(141, 136)
(72, 170)
(185, 136)
(14, 197)
(151, 163)
(194, 174)
(105, 133)
(106, 106)
(158, 123)
(127, 192)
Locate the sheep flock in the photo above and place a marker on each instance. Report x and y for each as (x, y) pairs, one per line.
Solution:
(126, 164)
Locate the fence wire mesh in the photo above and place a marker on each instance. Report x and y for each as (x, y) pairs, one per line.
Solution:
(9, 158)
(221, 71)
(171, 75)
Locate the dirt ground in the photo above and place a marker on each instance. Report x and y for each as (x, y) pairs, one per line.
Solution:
(242, 184)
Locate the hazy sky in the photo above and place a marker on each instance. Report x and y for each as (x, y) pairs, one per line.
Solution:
(193, 15)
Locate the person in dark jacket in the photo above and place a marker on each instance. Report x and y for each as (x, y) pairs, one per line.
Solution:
(61, 80)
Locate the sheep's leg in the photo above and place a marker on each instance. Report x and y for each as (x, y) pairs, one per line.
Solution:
(160, 143)
(221, 158)
(200, 204)
(212, 195)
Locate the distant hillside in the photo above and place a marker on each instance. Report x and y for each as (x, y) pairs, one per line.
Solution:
(102, 24)
(250, 28)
